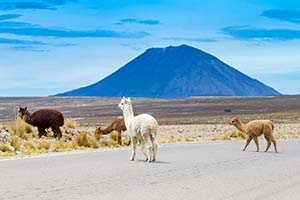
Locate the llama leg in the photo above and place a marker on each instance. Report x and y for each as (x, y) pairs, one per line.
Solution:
(274, 143)
(144, 150)
(56, 131)
(120, 138)
(256, 142)
(133, 143)
(247, 142)
(41, 132)
(154, 148)
(150, 148)
(269, 143)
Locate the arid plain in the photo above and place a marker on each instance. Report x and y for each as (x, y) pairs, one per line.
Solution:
(189, 119)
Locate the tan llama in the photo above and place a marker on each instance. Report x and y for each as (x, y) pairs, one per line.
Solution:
(256, 128)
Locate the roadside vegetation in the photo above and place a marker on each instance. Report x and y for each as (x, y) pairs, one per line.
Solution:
(20, 138)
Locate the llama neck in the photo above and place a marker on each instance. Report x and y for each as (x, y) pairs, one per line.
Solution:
(241, 126)
(128, 115)
(107, 130)
(28, 118)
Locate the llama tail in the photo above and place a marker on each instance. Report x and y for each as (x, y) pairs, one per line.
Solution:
(153, 134)
(272, 125)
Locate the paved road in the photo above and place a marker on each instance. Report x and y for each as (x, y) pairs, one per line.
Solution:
(216, 170)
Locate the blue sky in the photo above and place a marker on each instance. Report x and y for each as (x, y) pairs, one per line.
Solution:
(52, 46)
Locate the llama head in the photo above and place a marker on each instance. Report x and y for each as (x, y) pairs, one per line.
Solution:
(97, 133)
(22, 112)
(125, 102)
(234, 121)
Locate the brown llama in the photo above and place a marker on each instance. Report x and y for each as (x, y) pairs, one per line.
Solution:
(256, 128)
(43, 119)
(116, 124)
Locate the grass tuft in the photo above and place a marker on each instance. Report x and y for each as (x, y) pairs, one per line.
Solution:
(8, 154)
(82, 139)
(16, 142)
(21, 128)
(69, 123)
(61, 146)
(30, 148)
(114, 136)
(94, 143)
(225, 138)
(238, 135)
(4, 147)
(44, 144)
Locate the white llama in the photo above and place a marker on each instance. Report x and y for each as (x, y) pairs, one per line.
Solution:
(142, 128)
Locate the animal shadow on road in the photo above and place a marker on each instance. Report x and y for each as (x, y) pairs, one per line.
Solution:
(156, 162)
(269, 152)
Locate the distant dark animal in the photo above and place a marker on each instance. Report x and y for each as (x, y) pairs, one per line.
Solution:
(116, 124)
(227, 110)
(43, 119)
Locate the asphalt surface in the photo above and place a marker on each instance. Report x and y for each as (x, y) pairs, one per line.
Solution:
(214, 170)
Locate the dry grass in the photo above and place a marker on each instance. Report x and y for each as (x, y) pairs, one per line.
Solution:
(126, 141)
(4, 147)
(114, 136)
(30, 148)
(61, 146)
(106, 142)
(82, 139)
(69, 123)
(16, 142)
(94, 143)
(238, 135)
(25, 140)
(44, 144)
(21, 128)
(8, 154)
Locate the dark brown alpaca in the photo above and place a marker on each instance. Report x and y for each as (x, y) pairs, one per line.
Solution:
(44, 119)
(116, 124)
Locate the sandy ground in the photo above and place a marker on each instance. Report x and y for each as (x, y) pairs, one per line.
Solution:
(211, 170)
(209, 132)
(204, 132)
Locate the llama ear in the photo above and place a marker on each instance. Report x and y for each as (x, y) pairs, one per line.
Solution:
(128, 99)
